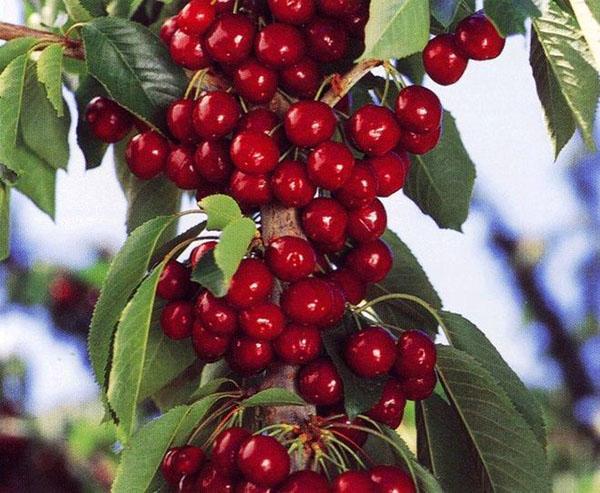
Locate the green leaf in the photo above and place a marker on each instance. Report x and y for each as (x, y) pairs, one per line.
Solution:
(124, 8)
(587, 13)
(76, 11)
(509, 16)
(96, 8)
(273, 397)
(166, 247)
(12, 87)
(396, 28)
(134, 66)
(4, 221)
(13, 49)
(444, 11)
(92, 148)
(412, 67)
(49, 72)
(220, 211)
(150, 198)
(37, 181)
(511, 457)
(181, 389)
(210, 388)
(441, 181)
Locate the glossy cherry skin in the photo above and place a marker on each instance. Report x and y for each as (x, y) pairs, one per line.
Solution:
(180, 168)
(416, 143)
(353, 482)
(198, 252)
(168, 29)
(146, 155)
(352, 437)
(392, 479)
(301, 79)
(216, 315)
(255, 82)
(352, 287)
(174, 281)
(225, 448)
(309, 123)
(179, 121)
(263, 322)
(367, 223)
(209, 346)
(167, 466)
(389, 410)
(298, 344)
(261, 120)
(338, 307)
(176, 319)
(415, 355)
(250, 285)
(292, 11)
(215, 114)
(212, 480)
(390, 172)
(230, 39)
(355, 22)
(263, 460)
(330, 165)
(418, 109)
(319, 383)
(187, 461)
(309, 302)
(303, 481)
(370, 352)
(371, 261)
(478, 38)
(444, 62)
(291, 184)
(290, 258)
(360, 189)
(324, 220)
(197, 16)
(250, 487)
(279, 45)
(187, 50)
(107, 120)
(250, 190)
(254, 152)
(374, 130)
(326, 40)
(248, 356)
(338, 8)
(212, 161)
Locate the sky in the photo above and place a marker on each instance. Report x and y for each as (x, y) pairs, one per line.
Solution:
(502, 126)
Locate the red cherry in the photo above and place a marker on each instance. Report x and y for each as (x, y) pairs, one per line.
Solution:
(107, 120)
(180, 168)
(197, 16)
(330, 165)
(146, 155)
(355, 22)
(187, 460)
(389, 409)
(250, 285)
(298, 344)
(338, 307)
(279, 45)
(263, 322)
(187, 50)
(320, 383)
(212, 161)
(478, 38)
(211, 480)
(352, 287)
(168, 28)
(224, 6)
(265, 121)
(250, 190)
(255, 82)
(338, 8)
(353, 482)
(230, 38)
(187, 484)
(370, 353)
(418, 109)
(392, 479)
(308, 302)
(301, 79)
(248, 356)
(371, 261)
(198, 252)
(209, 346)
(254, 152)
(292, 11)
(324, 220)
(419, 143)
(176, 319)
(443, 60)
(250, 487)
(225, 448)
(290, 258)
(302, 481)
(359, 189)
(179, 120)
(263, 460)
(367, 223)
(174, 281)
(390, 171)
(309, 123)
(215, 314)
(166, 466)
(415, 355)
(291, 185)
(340, 426)
(215, 115)
(326, 40)
(418, 389)
(373, 129)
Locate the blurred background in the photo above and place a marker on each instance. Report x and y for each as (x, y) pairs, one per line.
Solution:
(526, 270)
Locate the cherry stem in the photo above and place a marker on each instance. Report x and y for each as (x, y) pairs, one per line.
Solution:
(324, 84)
(75, 26)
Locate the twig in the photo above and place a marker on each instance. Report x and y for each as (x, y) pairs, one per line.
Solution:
(73, 48)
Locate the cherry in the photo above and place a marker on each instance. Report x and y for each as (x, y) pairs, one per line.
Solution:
(392, 479)
(216, 315)
(107, 120)
(370, 353)
(224, 6)
(298, 344)
(324, 220)
(418, 109)
(180, 168)
(330, 165)
(187, 50)
(212, 161)
(263, 460)
(319, 383)
(230, 38)
(255, 82)
(65, 291)
(338, 307)
(338, 8)
(179, 120)
(168, 28)
(225, 448)
(390, 171)
(290, 258)
(353, 482)
(263, 322)
(355, 22)
(301, 79)
(443, 60)
(167, 466)
(248, 356)
(367, 223)
(352, 287)
(416, 143)
(373, 129)
(251, 284)
(359, 189)
(146, 155)
(279, 45)
(326, 40)
(308, 302)
(478, 38)
(174, 281)
(292, 11)
(389, 409)
(291, 184)
(215, 114)
(254, 152)
(371, 261)
(212, 480)
(340, 426)
(308, 123)
(302, 481)
(187, 460)
(250, 487)
(209, 346)
(205, 189)
(198, 252)
(265, 121)
(415, 355)
(250, 190)
(176, 319)
(197, 16)
(187, 484)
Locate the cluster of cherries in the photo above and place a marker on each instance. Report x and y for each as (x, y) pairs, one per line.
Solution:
(244, 463)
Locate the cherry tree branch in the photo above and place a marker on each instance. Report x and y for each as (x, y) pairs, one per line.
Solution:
(73, 48)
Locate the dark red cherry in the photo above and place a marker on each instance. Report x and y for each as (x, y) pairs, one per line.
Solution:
(338, 307)
(338, 8)
(179, 121)
(180, 168)
(212, 161)
(415, 355)
(166, 466)
(250, 190)
(250, 285)
(187, 50)
(254, 152)
(303, 481)
(443, 60)
(263, 322)
(308, 302)
(291, 184)
(198, 252)
(187, 460)
(367, 223)
(478, 38)
(371, 352)
(309, 123)
(359, 189)
(419, 143)
(176, 319)
(352, 287)
(371, 261)
(324, 220)
(292, 11)
(225, 449)
(216, 315)
(230, 39)
(390, 171)
(326, 40)
(389, 409)
(279, 45)
(263, 460)
(174, 281)
(330, 165)
(418, 109)
(212, 480)
(353, 482)
(215, 114)
(290, 258)
(250, 487)
(209, 346)
(373, 129)
(298, 344)
(248, 356)
(392, 479)
(418, 389)
(355, 22)
(224, 6)
(107, 120)
(197, 16)
(168, 29)
(302, 79)
(264, 121)
(340, 427)
(187, 484)
(255, 82)
(146, 155)
(319, 383)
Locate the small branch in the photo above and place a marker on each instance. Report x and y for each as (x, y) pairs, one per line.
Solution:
(341, 86)
(73, 48)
